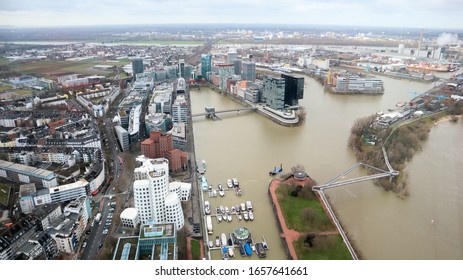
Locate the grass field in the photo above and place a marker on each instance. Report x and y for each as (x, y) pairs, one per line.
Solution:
(326, 247)
(5, 87)
(4, 194)
(293, 209)
(195, 249)
(49, 68)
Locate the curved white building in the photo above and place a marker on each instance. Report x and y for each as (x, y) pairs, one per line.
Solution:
(153, 199)
(174, 213)
(129, 217)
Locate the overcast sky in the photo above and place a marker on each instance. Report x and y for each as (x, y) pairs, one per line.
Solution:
(385, 13)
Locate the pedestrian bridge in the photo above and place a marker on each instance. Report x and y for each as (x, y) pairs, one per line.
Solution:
(210, 112)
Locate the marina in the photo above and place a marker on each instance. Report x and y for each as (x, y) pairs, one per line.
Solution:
(240, 240)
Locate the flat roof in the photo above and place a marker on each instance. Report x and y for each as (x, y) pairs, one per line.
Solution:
(27, 170)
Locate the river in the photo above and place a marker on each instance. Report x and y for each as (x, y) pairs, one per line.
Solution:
(381, 225)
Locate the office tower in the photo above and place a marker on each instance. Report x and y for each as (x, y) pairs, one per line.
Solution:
(181, 68)
(206, 60)
(249, 71)
(153, 199)
(273, 92)
(137, 66)
(294, 89)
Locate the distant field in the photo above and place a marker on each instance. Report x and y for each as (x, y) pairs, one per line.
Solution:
(4, 194)
(5, 87)
(50, 69)
(161, 42)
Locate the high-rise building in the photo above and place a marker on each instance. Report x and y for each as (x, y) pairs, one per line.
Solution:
(294, 89)
(137, 66)
(249, 71)
(238, 66)
(226, 70)
(206, 60)
(181, 68)
(232, 55)
(273, 92)
(180, 110)
(153, 200)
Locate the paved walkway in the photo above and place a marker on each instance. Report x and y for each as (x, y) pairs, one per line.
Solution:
(289, 235)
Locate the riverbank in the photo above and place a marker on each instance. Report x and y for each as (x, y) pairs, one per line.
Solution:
(401, 142)
(291, 119)
(306, 229)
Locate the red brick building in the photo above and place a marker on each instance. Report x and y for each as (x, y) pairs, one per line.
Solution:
(177, 159)
(157, 145)
(160, 145)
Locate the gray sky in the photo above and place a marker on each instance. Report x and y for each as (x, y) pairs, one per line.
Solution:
(387, 13)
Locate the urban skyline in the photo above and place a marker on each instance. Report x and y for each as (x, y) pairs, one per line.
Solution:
(378, 13)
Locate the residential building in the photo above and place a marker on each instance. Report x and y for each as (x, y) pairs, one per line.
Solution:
(13, 238)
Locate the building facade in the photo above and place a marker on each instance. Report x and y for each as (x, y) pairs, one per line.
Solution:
(151, 193)
(137, 66)
(273, 92)
(249, 71)
(294, 89)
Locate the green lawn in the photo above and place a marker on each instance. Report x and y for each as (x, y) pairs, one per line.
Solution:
(325, 247)
(195, 249)
(308, 220)
(4, 194)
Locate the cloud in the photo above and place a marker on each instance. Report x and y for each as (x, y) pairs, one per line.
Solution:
(426, 13)
(447, 39)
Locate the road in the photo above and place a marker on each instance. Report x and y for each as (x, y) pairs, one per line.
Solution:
(96, 236)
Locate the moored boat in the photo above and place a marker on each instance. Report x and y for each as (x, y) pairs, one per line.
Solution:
(223, 239)
(231, 252)
(247, 249)
(245, 216)
(260, 250)
(242, 251)
(207, 207)
(229, 217)
(227, 210)
(251, 216)
(221, 190)
(229, 183)
(233, 210)
(235, 182)
(211, 244)
(217, 241)
(243, 207)
(249, 205)
(222, 209)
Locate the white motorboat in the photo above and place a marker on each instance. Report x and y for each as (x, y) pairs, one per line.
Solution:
(217, 241)
(227, 210)
(229, 183)
(251, 216)
(245, 216)
(211, 244)
(229, 218)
